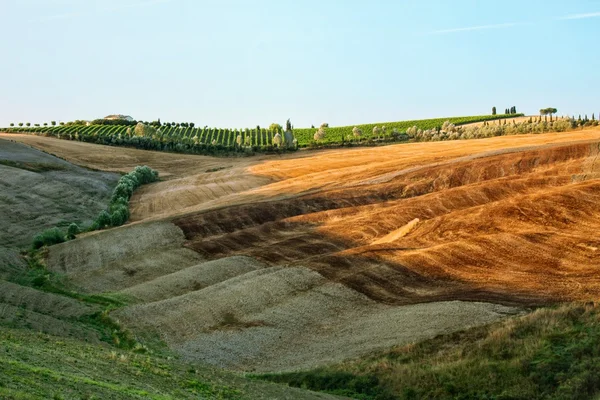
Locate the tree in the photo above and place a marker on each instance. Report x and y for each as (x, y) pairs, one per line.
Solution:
(494, 110)
(549, 111)
(53, 123)
(103, 219)
(72, 231)
(45, 124)
(376, 131)
(191, 124)
(20, 124)
(275, 127)
(357, 132)
(28, 124)
(288, 125)
(319, 134)
(12, 124)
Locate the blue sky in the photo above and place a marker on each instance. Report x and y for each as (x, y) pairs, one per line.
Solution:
(241, 63)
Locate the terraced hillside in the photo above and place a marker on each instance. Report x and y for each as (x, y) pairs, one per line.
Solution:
(294, 272)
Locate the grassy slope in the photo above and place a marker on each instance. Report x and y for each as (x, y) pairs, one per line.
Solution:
(548, 354)
(57, 343)
(89, 356)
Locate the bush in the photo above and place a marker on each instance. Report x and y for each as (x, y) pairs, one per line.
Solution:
(145, 174)
(122, 190)
(119, 216)
(48, 238)
(72, 231)
(103, 220)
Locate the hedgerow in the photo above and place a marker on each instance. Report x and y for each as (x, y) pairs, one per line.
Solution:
(117, 213)
(118, 210)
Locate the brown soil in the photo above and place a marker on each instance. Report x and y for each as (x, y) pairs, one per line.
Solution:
(346, 236)
(513, 226)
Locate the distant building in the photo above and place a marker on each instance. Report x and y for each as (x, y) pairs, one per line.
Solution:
(119, 116)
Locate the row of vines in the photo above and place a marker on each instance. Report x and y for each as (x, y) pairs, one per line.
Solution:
(188, 139)
(165, 138)
(341, 134)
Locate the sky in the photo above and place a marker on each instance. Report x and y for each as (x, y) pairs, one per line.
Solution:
(236, 64)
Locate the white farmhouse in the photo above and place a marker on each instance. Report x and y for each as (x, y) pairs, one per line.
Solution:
(119, 116)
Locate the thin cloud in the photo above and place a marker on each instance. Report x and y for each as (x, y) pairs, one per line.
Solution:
(581, 16)
(510, 24)
(474, 28)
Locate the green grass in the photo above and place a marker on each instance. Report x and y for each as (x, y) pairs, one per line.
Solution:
(34, 365)
(341, 133)
(552, 353)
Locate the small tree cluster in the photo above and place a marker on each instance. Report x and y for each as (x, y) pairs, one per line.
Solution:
(549, 111)
(118, 212)
(275, 127)
(48, 238)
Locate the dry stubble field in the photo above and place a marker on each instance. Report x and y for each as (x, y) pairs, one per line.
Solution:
(331, 244)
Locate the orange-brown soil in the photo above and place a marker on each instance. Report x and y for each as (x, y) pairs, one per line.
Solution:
(509, 219)
(427, 222)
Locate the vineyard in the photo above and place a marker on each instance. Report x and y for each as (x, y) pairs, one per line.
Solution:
(165, 138)
(388, 130)
(188, 139)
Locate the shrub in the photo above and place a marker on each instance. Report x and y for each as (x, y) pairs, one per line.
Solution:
(122, 190)
(119, 216)
(275, 127)
(48, 238)
(103, 220)
(145, 174)
(319, 134)
(72, 231)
